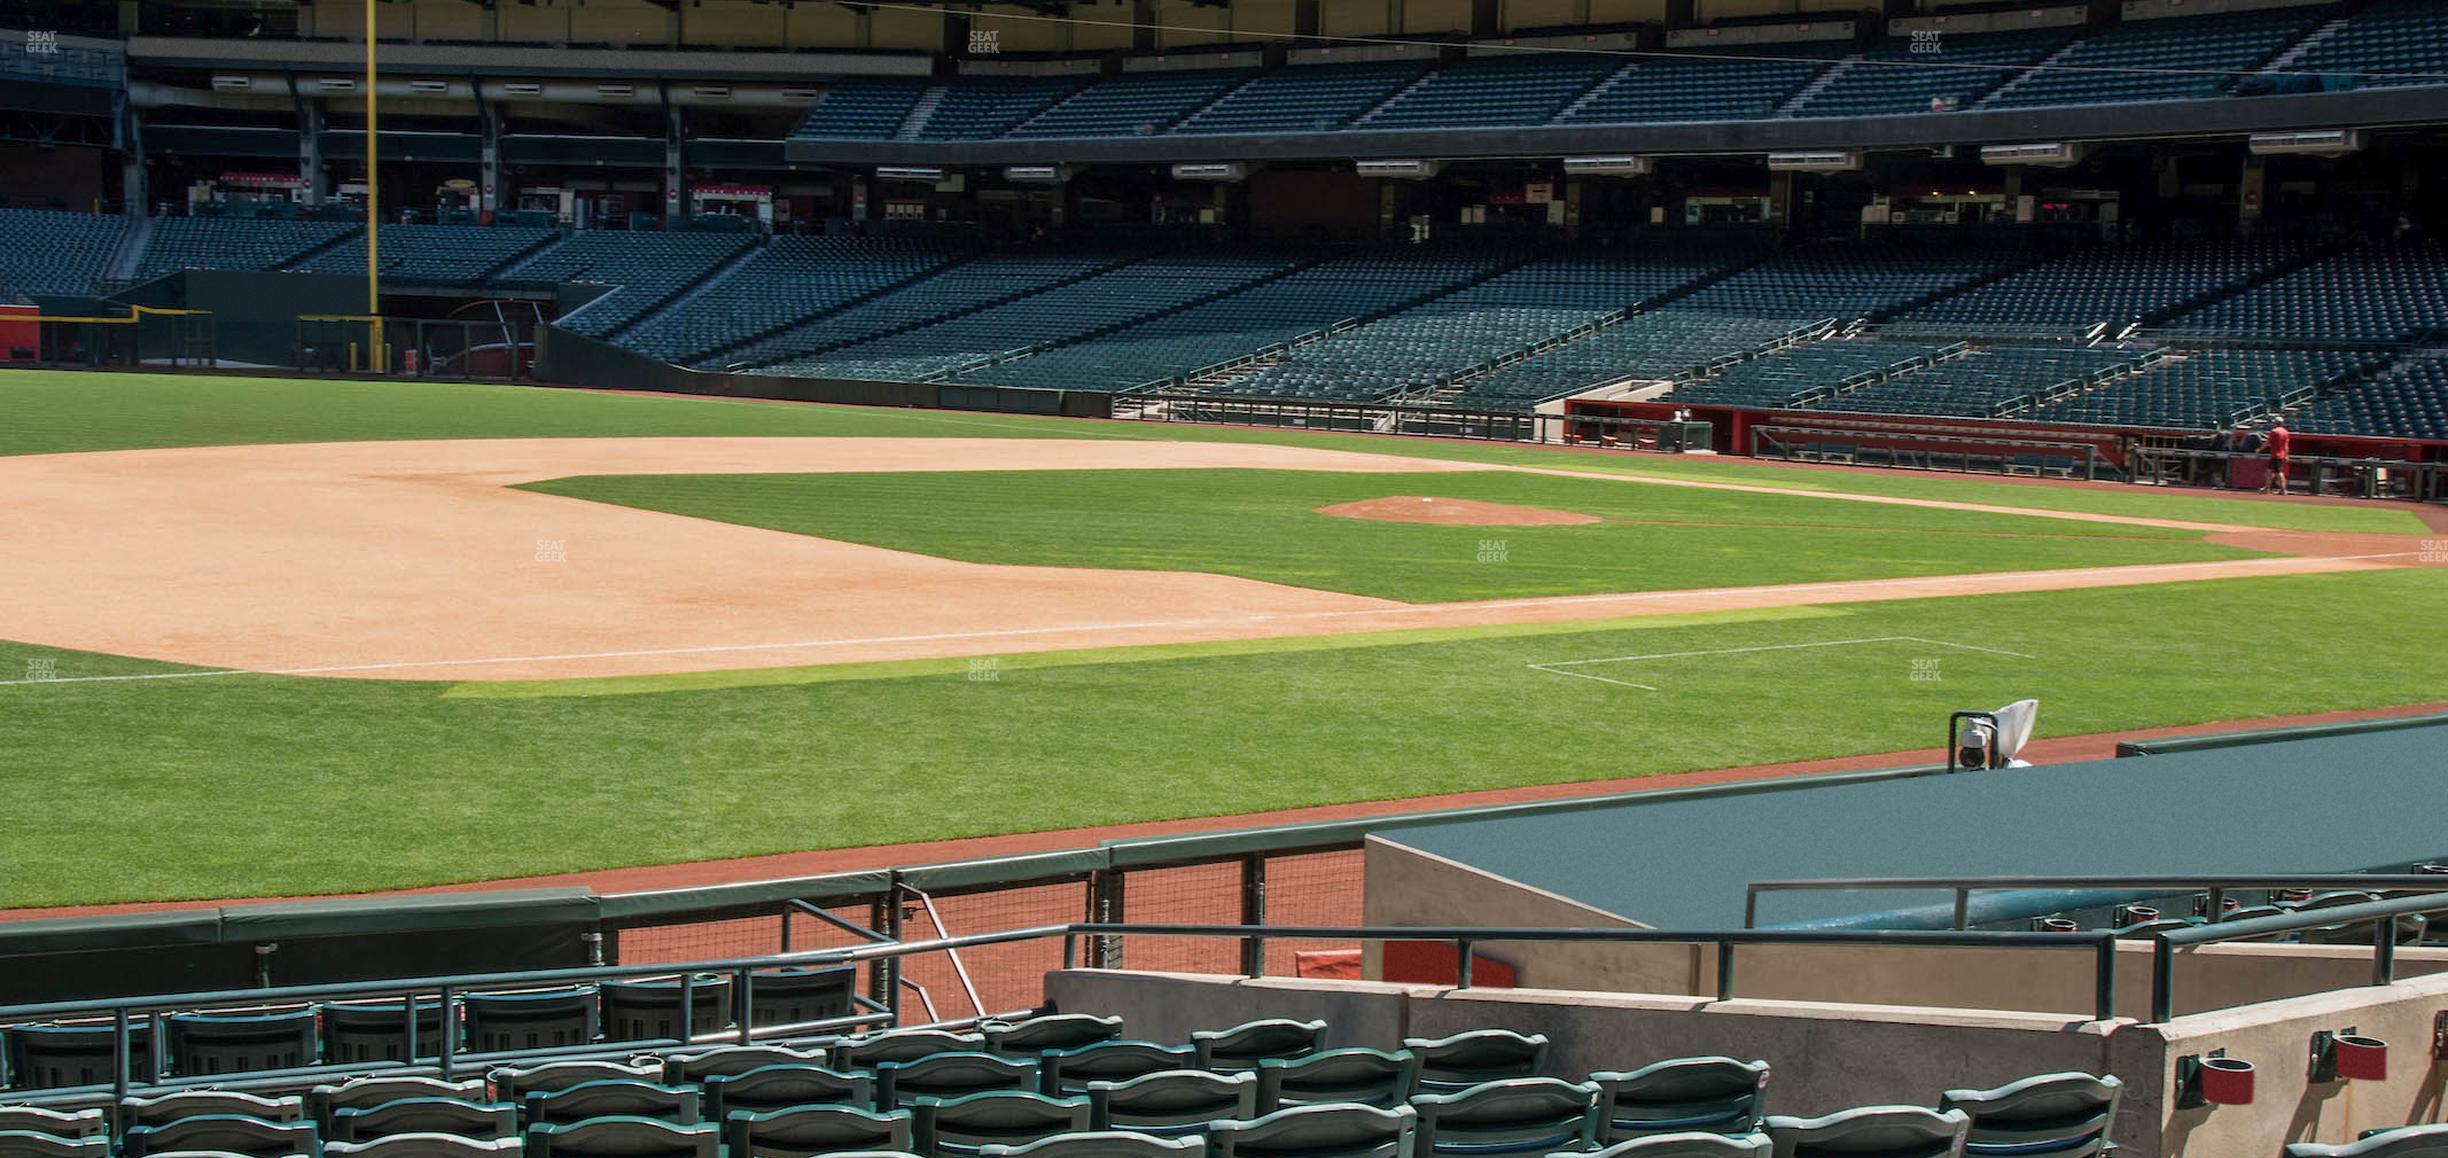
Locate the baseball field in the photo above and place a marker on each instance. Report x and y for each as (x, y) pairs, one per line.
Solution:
(269, 637)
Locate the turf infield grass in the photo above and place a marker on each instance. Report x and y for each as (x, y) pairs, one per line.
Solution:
(263, 785)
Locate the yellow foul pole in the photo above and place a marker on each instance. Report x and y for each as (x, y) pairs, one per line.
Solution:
(373, 205)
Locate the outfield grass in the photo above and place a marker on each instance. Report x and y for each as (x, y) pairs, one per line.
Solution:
(59, 411)
(263, 785)
(1262, 524)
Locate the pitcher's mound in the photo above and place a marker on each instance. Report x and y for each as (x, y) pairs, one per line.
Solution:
(1455, 513)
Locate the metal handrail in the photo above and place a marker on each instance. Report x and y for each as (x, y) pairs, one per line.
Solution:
(1963, 887)
(2382, 914)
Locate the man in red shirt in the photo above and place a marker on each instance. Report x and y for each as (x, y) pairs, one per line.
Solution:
(2275, 445)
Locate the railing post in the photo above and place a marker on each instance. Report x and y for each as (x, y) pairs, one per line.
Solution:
(408, 1051)
(1725, 971)
(1963, 908)
(2384, 951)
(1106, 904)
(886, 976)
(743, 1002)
(448, 1024)
(688, 1009)
(1462, 963)
(2163, 980)
(121, 1051)
(1253, 912)
(263, 963)
(2104, 981)
(786, 928)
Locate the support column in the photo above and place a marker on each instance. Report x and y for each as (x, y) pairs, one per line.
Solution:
(1305, 17)
(488, 160)
(1781, 201)
(675, 173)
(135, 194)
(1143, 26)
(310, 150)
(2251, 192)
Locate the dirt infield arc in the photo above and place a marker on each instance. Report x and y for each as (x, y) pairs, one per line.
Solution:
(414, 560)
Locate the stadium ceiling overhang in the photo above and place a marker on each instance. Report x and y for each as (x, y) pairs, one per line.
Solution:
(2228, 117)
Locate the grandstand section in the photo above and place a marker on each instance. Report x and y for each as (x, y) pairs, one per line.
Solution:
(53, 252)
(640, 271)
(449, 254)
(2408, 400)
(2210, 389)
(2163, 59)
(2381, 293)
(177, 243)
(785, 281)
(1990, 381)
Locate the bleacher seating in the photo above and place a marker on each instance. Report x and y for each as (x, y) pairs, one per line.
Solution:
(1491, 90)
(459, 254)
(2391, 43)
(644, 269)
(2116, 285)
(44, 251)
(2162, 59)
(1659, 344)
(1786, 376)
(1986, 382)
(2407, 401)
(2382, 293)
(1056, 315)
(1306, 98)
(1703, 86)
(788, 279)
(1133, 104)
(866, 108)
(1901, 76)
(1855, 280)
(959, 288)
(234, 243)
(2209, 389)
(978, 107)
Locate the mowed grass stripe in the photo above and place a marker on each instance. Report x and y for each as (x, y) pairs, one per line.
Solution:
(260, 785)
(1264, 525)
(52, 411)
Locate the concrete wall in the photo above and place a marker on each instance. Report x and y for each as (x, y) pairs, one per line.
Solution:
(1406, 886)
(1829, 1055)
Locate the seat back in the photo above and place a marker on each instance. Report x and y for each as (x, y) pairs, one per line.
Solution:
(2063, 1115)
(650, 1010)
(513, 1085)
(229, 1132)
(1243, 1046)
(2408, 1142)
(426, 1146)
(1068, 1071)
(1054, 1031)
(1509, 1116)
(797, 996)
(806, 1131)
(868, 1051)
(622, 1137)
(778, 1087)
(56, 1123)
(1716, 1095)
(733, 1060)
(426, 1116)
(370, 1031)
(1871, 1132)
(220, 1043)
(362, 1093)
(1173, 1101)
(614, 1097)
(1451, 1064)
(1354, 1076)
(52, 1056)
(959, 1127)
(538, 1019)
(1686, 1145)
(951, 1075)
(1318, 1132)
(169, 1108)
(1102, 1144)
(34, 1144)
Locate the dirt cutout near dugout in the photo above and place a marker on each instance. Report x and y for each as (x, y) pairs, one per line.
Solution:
(1455, 513)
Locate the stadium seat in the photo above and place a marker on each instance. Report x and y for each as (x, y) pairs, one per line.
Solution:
(1101, 1144)
(1354, 1076)
(325, 1101)
(901, 1045)
(611, 1097)
(427, 1146)
(650, 1010)
(513, 1084)
(1318, 1132)
(2164, 59)
(622, 1138)
(1055, 1031)
(377, 1031)
(808, 1131)
(2055, 1114)
(1172, 1102)
(732, 1061)
(1068, 1071)
(44, 251)
(54, 1056)
(1690, 1145)
(779, 997)
(1244, 1046)
(959, 1127)
(862, 108)
(217, 1043)
(2408, 1142)
(1716, 1095)
(30, 1144)
(225, 1132)
(776, 1087)
(426, 1116)
(946, 1076)
(1132, 104)
(1508, 1116)
(1871, 1132)
(168, 1108)
(978, 107)
(542, 1019)
(1464, 1060)
(56, 1123)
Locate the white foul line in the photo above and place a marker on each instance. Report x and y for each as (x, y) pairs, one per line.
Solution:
(1556, 667)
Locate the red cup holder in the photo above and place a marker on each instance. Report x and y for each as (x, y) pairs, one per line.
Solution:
(2060, 925)
(2226, 1081)
(2362, 1059)
(2135, 915)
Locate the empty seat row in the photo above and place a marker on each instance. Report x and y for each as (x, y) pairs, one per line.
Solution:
(642, 269)
(786, 280)
(2406, 401)
(1986, 382)
(2162, 59)
(46, 251)
(2210, 389)
(461, 254)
